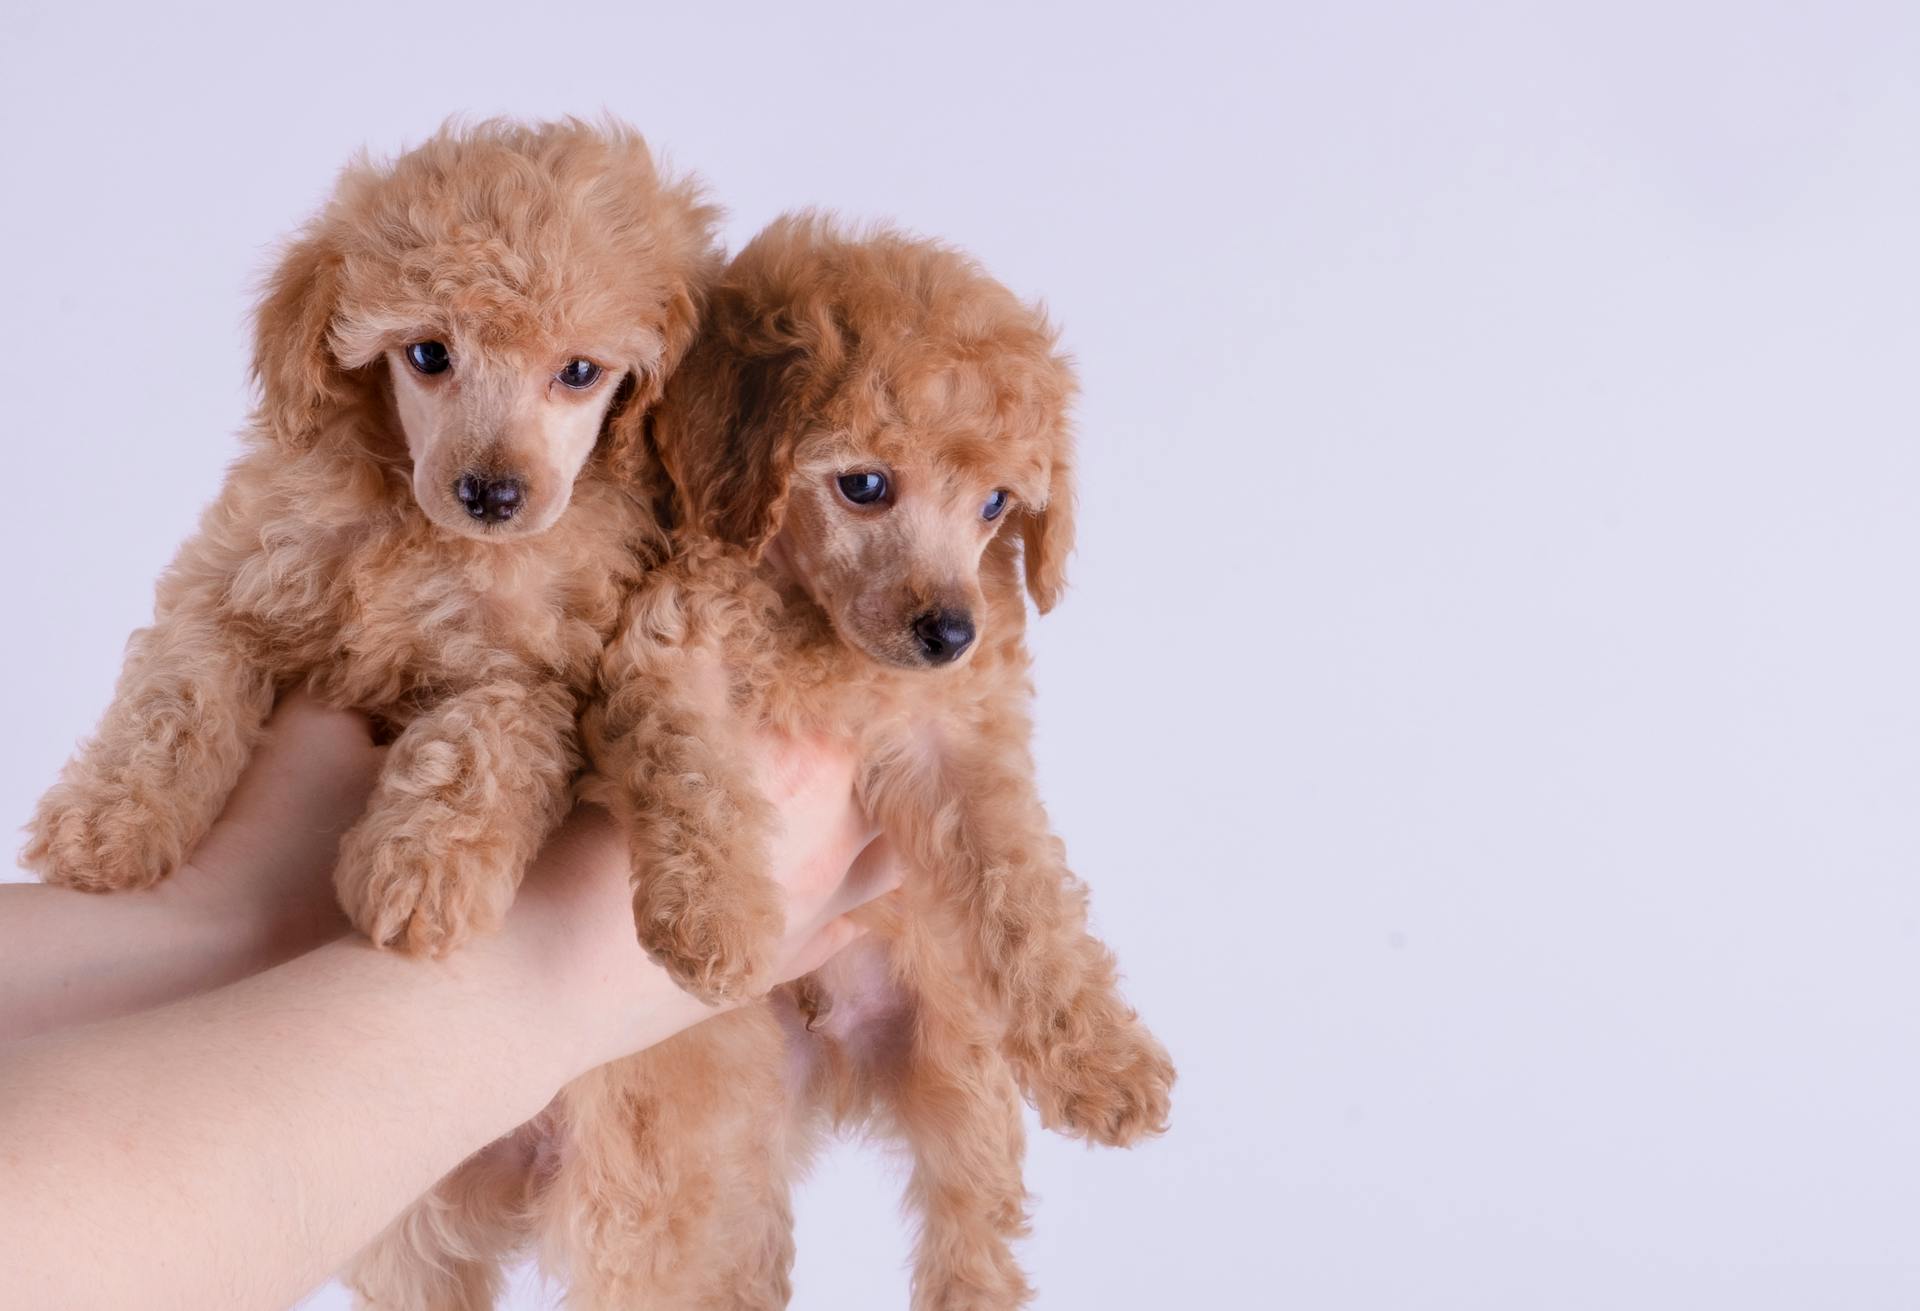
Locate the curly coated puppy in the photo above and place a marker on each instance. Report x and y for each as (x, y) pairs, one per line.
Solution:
(869, 450)
(434, 521)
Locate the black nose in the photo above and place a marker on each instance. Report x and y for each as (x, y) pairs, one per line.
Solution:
(943, 634)
(490, 500)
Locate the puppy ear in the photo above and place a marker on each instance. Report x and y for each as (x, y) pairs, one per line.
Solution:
(1046, 532)
(300, 382)
(726, 435)
(680, 224)
(626, 446)
(771, 352)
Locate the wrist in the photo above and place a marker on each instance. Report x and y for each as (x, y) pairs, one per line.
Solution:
(595, 994)
(594, 1003)
(245, 931)
(228, 937)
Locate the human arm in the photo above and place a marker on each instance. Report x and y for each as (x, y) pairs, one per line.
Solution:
(256, 891)
(233, 1148)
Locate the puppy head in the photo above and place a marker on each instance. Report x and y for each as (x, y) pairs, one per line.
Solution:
(878, 410)
(492, 301)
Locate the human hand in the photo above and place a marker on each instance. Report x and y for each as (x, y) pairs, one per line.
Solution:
(574, 919)
(264, 870)
(262, 876)
(255, 892)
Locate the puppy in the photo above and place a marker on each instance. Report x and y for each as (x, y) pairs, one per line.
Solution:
(869, 450)
(434, 521)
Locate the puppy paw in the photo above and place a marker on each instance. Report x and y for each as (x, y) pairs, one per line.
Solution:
(1114, 1091)
(416, 890)
(103, 841)
(718, 949)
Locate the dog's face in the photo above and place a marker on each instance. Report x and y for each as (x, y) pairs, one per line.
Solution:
(497, 438)
(876, 412)
(886, 531)
(483, 311)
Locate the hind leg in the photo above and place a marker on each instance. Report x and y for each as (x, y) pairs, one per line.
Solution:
(909, 1050)
(446, 1253)
(958, 1107)
(672, 1190)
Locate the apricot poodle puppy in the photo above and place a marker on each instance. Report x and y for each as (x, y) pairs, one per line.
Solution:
(435, 519)
(869, 452)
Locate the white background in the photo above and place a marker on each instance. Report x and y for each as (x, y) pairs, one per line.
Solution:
(1487, 710)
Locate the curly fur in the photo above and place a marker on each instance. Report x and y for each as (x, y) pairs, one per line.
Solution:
(328, 561)
(824, 350)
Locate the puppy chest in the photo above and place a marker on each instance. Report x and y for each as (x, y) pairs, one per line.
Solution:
(381, 635)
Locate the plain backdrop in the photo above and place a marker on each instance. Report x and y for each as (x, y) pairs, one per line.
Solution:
(1486, 712)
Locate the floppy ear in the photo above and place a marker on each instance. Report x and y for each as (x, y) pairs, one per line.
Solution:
(627, 421)
(1046, 532)
(299, 379)
(726, 433)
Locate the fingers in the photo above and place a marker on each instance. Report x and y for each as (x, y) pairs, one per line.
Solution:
(874, 873)
(313, 761)
(313, 736)
(307, 782)
(831, 939)
(822, 831)
(304, 712)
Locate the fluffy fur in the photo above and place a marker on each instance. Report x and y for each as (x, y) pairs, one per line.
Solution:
(329, 558)
(340, 554)
(825, 354)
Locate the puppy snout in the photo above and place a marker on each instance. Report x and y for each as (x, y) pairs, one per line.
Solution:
(488, 499)
(943, 634)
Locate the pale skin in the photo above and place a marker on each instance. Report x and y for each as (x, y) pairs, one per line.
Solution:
(210, 1096)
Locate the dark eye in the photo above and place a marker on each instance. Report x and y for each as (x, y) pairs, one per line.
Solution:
(429, 357)
(995, 504)
(863, 488)
(579, 374)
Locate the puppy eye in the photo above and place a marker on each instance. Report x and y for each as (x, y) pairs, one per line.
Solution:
(579, 374)
(995, 504)
(429, 357)
(863, 488)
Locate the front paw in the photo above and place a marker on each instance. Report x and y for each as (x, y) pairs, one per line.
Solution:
(100, 841)
(409, 887)
(1114, 1090)
(719, 949)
